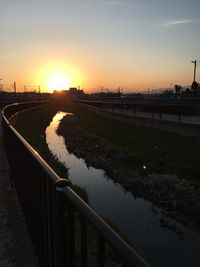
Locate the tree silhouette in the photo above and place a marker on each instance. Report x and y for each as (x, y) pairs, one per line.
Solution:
(178, 88)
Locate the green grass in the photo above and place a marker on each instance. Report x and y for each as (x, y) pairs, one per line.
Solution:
(160, 151)
(31, 124)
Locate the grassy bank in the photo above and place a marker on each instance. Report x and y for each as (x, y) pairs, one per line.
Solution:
(31, 124)
(144, 149)
(148, 162)
(158, 165)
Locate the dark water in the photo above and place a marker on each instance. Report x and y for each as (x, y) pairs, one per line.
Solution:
(137, 218)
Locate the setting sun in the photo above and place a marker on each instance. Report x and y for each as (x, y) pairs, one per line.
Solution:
(58, 76)
(58, 82)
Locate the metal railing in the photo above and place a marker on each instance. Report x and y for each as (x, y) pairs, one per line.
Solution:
(177, 113)
(65, 230)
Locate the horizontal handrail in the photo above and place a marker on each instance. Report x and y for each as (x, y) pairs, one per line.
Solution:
(54, 190)
(109, 234)
(9, 110)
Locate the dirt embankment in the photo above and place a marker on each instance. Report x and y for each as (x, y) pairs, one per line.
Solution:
(178, 198)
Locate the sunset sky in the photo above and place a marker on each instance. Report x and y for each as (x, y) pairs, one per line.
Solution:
(134, 44)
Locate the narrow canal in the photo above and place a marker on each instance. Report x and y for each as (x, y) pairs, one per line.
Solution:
(137, 218)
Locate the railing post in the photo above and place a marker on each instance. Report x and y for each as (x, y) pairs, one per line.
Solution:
(101, 252)
(83, 241)
(70, 233)
(60, 234)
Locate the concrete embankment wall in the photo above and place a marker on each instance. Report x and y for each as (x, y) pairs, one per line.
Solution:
(176, 127)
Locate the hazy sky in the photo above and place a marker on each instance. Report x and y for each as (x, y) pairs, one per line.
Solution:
(134, 44)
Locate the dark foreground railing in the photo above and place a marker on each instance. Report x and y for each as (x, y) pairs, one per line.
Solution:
(65, 231)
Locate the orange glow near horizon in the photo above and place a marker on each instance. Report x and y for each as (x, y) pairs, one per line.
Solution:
(58, 76)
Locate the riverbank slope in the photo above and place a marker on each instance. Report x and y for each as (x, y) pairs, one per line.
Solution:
(160, 166)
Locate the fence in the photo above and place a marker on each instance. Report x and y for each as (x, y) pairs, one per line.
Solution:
(65, 230)
(181, 113)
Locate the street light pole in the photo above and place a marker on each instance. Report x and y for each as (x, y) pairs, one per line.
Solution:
(195, 66)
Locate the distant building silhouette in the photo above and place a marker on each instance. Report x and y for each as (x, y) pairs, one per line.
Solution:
(73, 93)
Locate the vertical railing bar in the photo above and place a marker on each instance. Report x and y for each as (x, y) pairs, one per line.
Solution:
(60, 228)
(41, 204)
(46, 195)
(70, 225)
(41, 215)
(35, 217)
(44, 221)
(53, 188)
(29, 178)
(51, 224)
(37, 211)
(48, 220)
(83, 241)
(100, 252)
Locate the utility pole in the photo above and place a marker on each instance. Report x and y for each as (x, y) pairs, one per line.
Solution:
(15, 87)
(195, 66)
(1, 86)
